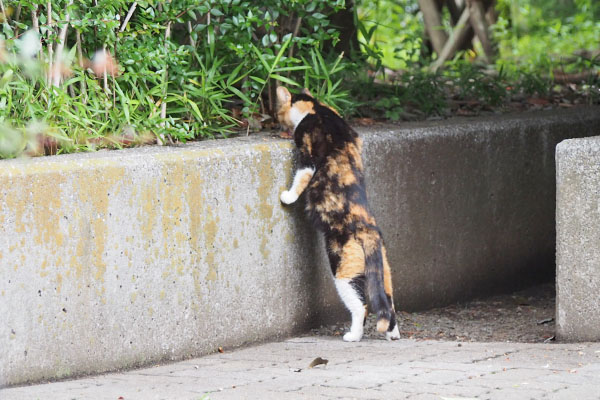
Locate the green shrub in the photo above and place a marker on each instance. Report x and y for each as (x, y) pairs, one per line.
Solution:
(187, 69)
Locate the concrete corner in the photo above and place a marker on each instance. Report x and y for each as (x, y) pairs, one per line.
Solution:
(578, 239)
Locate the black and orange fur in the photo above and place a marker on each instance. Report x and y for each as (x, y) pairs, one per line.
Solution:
(331, 173)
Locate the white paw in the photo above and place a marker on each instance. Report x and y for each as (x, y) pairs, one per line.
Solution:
(353, 336)
(394, 334)
(288, 197)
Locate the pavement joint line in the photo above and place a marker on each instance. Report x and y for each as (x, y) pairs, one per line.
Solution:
(494, 357)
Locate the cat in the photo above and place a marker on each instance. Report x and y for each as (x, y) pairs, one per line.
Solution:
(331, 172)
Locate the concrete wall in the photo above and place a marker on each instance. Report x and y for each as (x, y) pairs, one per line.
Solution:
(117, 259)
(578, 240)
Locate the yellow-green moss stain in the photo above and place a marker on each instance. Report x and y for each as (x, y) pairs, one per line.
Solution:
(235, 244)
(289, 238)
(15, 202)
(171, 195)
(59, 279)
(202, 230)
(263, 245)
(95, 188)
(47, 210)
(266, 177)
(266, 197)
(210, 234)
(147, 212)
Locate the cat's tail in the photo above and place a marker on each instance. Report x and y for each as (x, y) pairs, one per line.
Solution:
(380, 303)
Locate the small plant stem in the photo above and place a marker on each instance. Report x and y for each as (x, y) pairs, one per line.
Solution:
(50, 47)
(112, 76)
(207, 31)
(128, 17)
(270, 92)
(163, 106)
(62, 37)
(35, 22)
(294, 34)
(81, 65)
(190, 31)
(35, 19)
(16, 18)
(3, 10)
(104, 74)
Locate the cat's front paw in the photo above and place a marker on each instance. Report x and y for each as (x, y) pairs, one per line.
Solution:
(353, 336)
(288, 197)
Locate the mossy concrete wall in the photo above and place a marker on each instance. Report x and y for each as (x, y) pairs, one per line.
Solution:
(116, 259)
(578, 240)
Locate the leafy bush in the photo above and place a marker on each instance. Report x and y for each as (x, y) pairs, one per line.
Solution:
(186, 68)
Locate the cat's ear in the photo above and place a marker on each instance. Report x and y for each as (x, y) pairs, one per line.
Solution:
(307, 92)
(283, 95)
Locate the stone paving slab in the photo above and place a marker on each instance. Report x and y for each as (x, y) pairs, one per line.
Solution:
(372, 369)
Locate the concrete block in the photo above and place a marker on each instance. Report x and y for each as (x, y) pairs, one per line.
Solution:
(117, 259)
(578, 239)
(125, 258)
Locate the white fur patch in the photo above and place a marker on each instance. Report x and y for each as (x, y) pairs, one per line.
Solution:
(356, 307)
(394, 334)
(296, 116)
(290, 196)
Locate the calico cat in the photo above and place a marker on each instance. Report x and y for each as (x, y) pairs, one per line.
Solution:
(331, 172)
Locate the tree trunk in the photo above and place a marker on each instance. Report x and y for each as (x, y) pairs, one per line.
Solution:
(480, 26)
(433, 24)
(344, 21)
(457, 37)
(456, 8)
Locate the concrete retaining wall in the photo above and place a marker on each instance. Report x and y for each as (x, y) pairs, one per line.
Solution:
(117, 259)
(578, 240)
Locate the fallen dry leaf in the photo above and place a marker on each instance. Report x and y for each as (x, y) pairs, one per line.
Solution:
(538, 101)
(364, 121)
(318, 361)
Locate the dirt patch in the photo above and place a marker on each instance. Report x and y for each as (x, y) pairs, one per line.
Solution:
(525, 316)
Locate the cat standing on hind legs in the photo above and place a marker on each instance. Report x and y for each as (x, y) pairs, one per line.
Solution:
(331, 173)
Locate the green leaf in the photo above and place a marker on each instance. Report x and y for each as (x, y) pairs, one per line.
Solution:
(265, 41)
(261, 58)
(257, 79)
(241, 95)
(284, 79)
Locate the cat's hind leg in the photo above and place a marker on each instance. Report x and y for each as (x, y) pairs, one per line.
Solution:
(392, 333)
(351, 294)
(347, 264)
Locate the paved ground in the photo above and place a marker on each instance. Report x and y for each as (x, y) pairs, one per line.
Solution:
(371, 369)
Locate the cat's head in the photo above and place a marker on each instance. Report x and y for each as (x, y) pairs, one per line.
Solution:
(292, 109)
